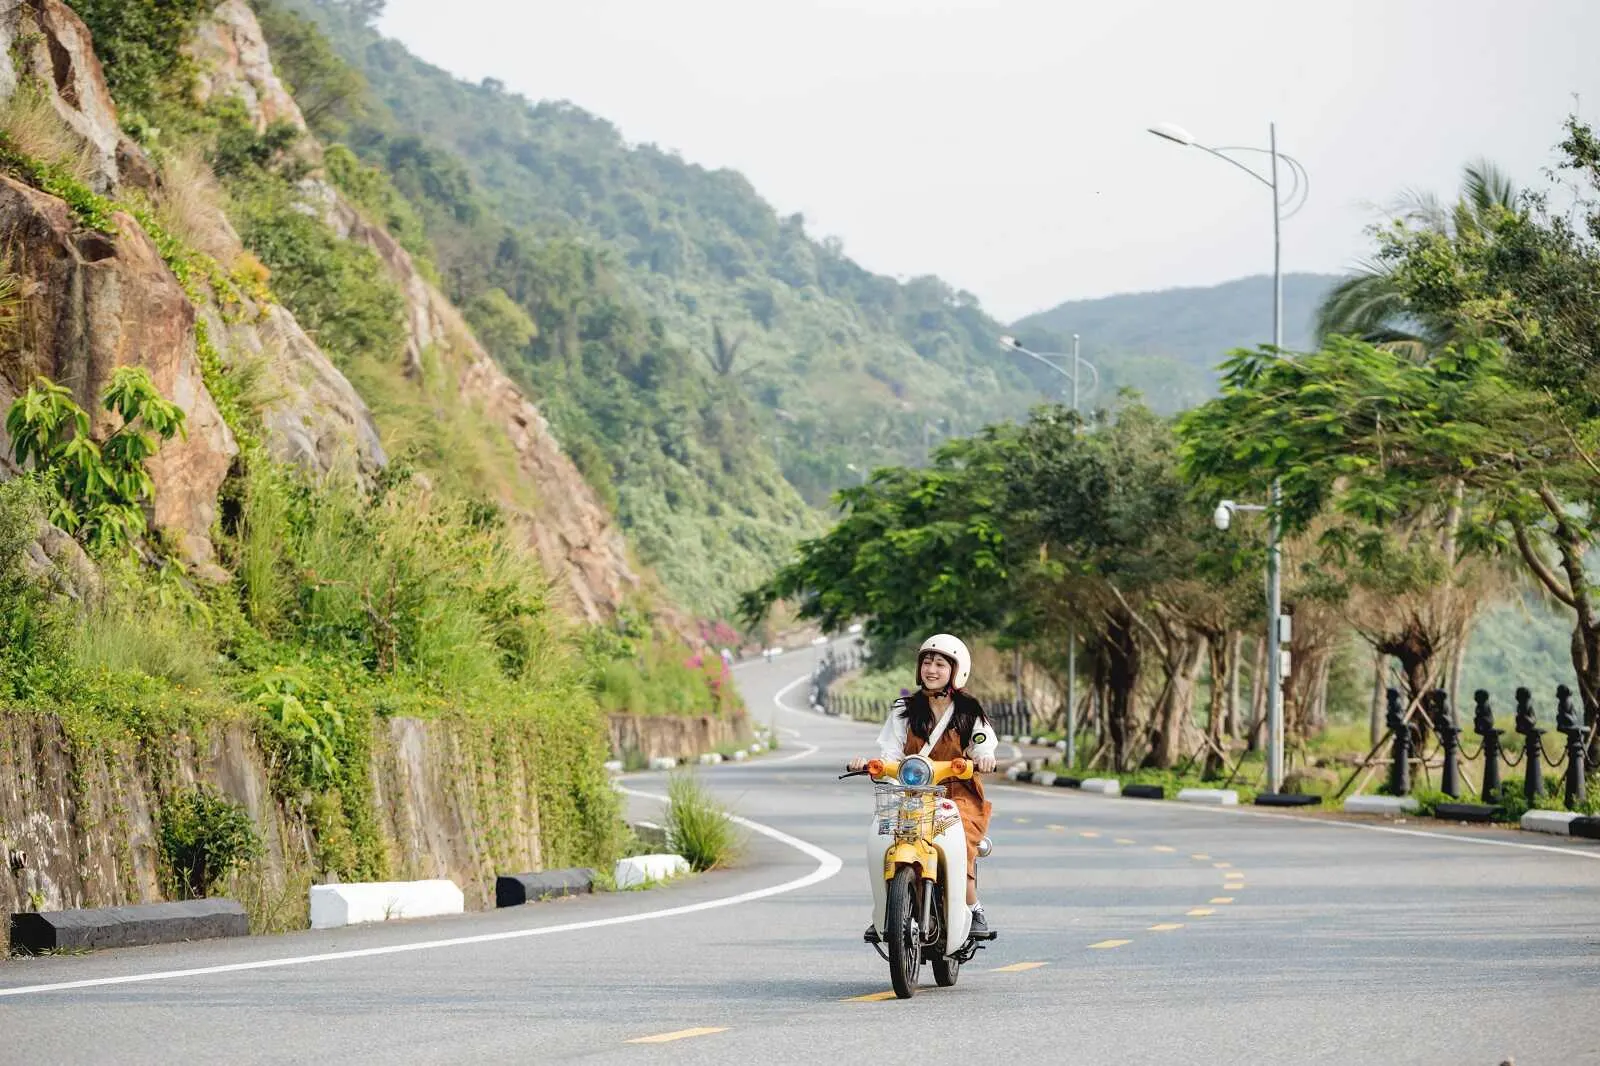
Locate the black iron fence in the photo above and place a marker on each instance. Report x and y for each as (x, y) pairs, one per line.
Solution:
(1423, 736)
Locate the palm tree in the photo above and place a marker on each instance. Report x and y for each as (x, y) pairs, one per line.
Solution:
(1372, 306)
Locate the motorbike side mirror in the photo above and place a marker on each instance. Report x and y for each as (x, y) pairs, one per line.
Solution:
(985, 846)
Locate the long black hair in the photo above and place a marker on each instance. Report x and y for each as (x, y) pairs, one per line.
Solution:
(920, 719)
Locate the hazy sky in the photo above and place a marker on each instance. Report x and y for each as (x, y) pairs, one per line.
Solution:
(1001, 144)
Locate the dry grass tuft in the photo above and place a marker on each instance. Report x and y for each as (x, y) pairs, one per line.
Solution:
(190, 207)
(32, 125)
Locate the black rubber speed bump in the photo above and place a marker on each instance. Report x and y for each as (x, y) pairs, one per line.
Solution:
(1286, 799)
(1144, 792)
(513, 890)
(1026, 775)
(1585, 827)
(1063, 781)
(1465, 812)
(126, 927)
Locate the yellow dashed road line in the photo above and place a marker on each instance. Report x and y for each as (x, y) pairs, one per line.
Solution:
(1018, 967)
(1110, 943)
(663, 1038)
(1057, 828)
(1087, 833)
(1200, 912)
(1221, 899)
(872, 998)
(1222, 865)
(1020, 820)
(1123, 840)
(1162, 847)
(1166, 927)
(1202, 858)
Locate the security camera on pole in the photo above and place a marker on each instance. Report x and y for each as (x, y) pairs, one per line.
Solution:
(1284, 205)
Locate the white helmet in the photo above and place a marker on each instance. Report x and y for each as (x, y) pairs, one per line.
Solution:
(953, 649)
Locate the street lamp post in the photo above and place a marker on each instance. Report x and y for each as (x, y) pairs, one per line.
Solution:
(1047, 358)
(1011, 344)
(1283, 206)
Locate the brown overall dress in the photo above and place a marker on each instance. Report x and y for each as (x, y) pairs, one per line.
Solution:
(966, 795)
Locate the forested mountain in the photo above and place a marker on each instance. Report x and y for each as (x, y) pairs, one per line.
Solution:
(845, 368)
(1167, 344)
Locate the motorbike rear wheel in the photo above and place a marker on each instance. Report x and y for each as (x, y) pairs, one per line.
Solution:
(902, 937)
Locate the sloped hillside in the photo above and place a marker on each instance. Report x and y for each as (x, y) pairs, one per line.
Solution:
(844, 368)
(262, 488)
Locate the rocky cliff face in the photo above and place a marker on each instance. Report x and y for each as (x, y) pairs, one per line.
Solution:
(576, 538)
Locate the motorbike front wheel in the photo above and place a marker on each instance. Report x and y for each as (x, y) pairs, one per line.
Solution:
(902, 937)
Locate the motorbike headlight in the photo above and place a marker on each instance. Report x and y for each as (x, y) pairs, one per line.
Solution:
(916, 772)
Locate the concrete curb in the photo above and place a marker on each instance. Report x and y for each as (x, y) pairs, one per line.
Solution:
(513, 890)
(1587, 827)
(1557, 822)
(1215, 797)
(1563, 823)
(333, 906)
(640, 869)
(1380, 804)
(126, 927)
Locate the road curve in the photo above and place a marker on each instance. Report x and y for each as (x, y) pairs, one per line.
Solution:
(1131, 932)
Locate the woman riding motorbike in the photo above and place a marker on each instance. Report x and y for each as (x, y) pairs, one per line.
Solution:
(942, 710)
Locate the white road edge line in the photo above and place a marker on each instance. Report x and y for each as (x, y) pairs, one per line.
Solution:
(1332, 824)
(828, 864)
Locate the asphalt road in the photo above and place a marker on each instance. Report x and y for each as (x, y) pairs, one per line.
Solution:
(1130, 932)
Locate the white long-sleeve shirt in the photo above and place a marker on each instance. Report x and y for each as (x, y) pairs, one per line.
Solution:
(892, 737)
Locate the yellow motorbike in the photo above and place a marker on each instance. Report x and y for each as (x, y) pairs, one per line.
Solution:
(919, 908)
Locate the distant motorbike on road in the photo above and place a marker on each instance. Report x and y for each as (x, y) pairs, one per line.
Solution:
(919, 907)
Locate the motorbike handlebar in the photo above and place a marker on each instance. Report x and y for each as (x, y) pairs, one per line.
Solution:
(960, 767)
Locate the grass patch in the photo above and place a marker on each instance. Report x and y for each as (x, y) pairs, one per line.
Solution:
(697, 826)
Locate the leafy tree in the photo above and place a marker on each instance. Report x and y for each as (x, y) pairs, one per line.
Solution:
(503, 327)
(1375, 304)
(139, 43)
(96, 489)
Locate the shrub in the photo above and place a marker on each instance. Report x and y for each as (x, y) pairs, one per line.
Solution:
(140, 45)
(337, 289)
(697, 826)
(204, 835)
(96, 490)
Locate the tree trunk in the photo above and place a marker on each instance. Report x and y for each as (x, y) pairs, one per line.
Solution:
(1375, 712)
(1221, 654)
(1235, 655)
(1122, 674)
(1173, 710)
(1258, 696)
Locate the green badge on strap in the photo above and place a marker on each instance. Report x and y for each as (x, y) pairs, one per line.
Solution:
(979, 738)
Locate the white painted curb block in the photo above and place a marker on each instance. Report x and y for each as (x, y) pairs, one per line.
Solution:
(741, 755)
(642, 868)
(663, 762)
(1044, 777)
(333, 906)
(710, 758)
(1557, 822)
(1105, 786)
(614, 766)
(1061, 745)
(1380, 804)
(1007, 738)
(1037, 764)
(1014, 772)
(1216, 797)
